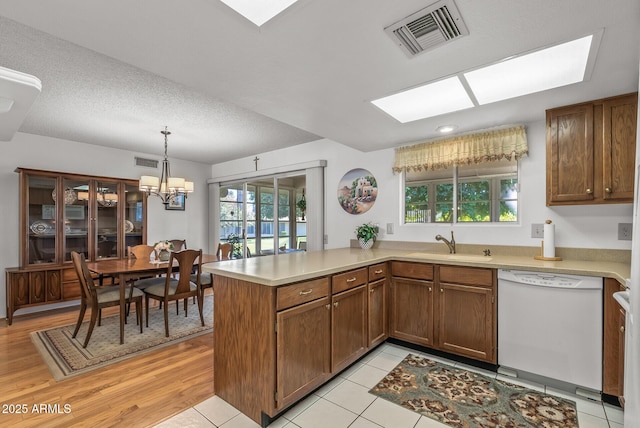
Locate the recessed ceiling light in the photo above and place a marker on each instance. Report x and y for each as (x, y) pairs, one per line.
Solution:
(549, 68)
(258, 11)
(429, 100)
(445, 129)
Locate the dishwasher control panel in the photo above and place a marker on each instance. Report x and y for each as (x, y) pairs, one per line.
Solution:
(545, 279)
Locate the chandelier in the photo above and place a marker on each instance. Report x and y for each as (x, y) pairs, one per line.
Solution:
(103, 197)
(167, 188)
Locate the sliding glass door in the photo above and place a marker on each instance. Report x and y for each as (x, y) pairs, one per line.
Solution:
(260, 223)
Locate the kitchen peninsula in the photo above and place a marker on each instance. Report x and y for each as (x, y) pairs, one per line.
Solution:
(284, 325)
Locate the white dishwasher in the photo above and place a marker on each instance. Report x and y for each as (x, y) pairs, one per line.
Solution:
(550, 325)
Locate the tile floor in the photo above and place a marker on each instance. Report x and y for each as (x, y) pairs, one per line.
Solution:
(346, 402)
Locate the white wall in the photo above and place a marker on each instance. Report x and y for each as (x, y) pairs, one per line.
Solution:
(582, 226)
(37, 152)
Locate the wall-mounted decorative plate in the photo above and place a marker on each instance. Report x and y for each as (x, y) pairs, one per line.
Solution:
(357, 191)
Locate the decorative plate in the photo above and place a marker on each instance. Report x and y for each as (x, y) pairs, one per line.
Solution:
(128, 226)
(357, 191)
(40, 227)
(69, 195)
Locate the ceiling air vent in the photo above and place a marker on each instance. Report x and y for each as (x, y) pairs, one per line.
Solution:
(148, 163)
(428, 28)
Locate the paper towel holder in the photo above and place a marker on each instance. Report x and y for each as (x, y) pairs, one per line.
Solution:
(541, 256)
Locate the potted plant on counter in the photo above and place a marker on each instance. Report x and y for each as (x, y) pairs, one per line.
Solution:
(366, 234)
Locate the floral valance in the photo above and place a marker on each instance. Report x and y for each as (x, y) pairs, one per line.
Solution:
(508, 143)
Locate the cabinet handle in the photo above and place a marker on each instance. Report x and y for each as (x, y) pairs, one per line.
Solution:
(378, 271)
(442, 290)
(335, 304)
(429, 289)
(622, 328)
(304, 293)
(372, 290)
(607, 189)
(589, 191)
(351, 279)
(328, 306)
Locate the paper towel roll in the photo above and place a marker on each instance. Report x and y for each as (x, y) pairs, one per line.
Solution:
(549, 239)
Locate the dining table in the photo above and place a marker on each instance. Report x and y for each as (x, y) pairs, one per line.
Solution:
(131, 267)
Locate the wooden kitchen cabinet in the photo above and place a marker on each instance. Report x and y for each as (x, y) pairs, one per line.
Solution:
(591, 152)
(614, 325)
(449, 308)
(348, 327)
(467, 312)
(412, 308)
(377, 305)
(303, 356)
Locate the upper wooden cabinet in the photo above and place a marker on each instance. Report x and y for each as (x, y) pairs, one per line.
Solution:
(60, 213)
(591, 152)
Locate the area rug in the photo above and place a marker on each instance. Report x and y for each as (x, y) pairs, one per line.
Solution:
(460, 398)
(66, 357)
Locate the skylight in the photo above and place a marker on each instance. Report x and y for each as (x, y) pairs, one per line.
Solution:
(549, 68)
(260, 11)
(428, 100)
(538, 71)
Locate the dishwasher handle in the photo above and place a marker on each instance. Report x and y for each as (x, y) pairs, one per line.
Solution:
(622, 297)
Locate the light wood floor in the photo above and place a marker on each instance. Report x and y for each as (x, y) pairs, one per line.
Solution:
(139, 392)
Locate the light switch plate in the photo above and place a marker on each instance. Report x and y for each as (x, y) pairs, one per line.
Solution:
(389, 228)
(625, 231)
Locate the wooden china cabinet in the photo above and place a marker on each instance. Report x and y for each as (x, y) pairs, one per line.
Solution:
(62, 212)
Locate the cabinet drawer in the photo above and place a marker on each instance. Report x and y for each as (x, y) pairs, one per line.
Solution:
(377, 271)
(412, 270)
(347, 280)
(296, 294)
(69, 275)
(467, 275)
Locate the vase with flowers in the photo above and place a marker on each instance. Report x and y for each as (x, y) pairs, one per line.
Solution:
(163, 249)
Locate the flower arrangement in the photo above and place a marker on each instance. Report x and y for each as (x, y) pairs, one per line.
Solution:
(163, 246)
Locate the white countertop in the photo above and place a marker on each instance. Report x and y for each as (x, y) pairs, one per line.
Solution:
(299, 266)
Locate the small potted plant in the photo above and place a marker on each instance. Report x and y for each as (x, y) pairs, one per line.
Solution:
(366, 234)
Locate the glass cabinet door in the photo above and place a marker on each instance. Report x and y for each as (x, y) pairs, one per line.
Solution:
(41, 219)
(76, 218)
(106, 218)
(134, 216)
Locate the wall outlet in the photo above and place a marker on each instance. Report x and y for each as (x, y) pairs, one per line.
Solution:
(625, 231)
(389, 228)
(537, 230)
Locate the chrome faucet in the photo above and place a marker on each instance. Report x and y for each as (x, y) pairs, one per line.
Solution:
(451, 244)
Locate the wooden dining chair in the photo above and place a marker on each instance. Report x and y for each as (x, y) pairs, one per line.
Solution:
(140, 252)
(179, 244)
(225, 251)
(99, 297)
(177, 288)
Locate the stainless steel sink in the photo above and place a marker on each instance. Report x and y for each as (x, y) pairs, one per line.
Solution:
(452, 257)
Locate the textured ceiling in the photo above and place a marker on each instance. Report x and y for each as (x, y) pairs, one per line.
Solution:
(114, 73)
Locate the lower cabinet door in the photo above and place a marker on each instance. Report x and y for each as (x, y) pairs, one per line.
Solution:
(465, 322)
(348, 327)
(412, 311)
(377, 312)
(303, 355)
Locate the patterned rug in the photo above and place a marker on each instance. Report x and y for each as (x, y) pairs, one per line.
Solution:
(66, 357)
(460, 398)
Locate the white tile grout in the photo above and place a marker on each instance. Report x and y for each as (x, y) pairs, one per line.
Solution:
(593, 413)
